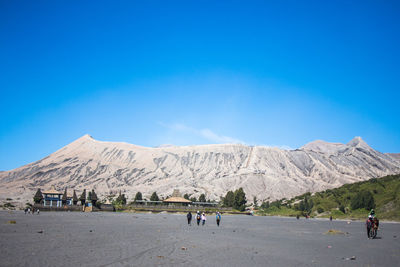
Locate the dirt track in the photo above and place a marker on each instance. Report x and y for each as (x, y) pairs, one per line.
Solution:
(128, 239)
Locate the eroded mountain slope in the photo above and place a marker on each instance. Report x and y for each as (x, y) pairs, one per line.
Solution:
(263, 172)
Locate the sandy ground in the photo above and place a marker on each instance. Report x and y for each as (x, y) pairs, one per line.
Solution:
(128, 239)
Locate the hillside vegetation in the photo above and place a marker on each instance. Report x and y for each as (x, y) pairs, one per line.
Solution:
(348, 201)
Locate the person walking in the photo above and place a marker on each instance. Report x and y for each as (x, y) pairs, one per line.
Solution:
(218, 218)
(198, 218)
(189, 218)
(203, 218)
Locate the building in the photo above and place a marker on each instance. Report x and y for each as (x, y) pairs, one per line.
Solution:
(52, 198)
(177, 199)
(68, 198)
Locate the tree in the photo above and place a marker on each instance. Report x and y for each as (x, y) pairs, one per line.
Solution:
(301, 205)
(309, 204)
(138, 196)
(82, 198)
(255, 201)
(186, 196)
(265, 205)
(154, 197)
(229, 199)
(64, 197)
(202, 198)
(94, 198)
(121, 199)
(38, 197)
(74, 199)
(89, 198)
(240, 200)
(306, 204)
(193, 199)
(363, 199)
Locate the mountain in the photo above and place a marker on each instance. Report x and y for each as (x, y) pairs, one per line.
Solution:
(396, 156)
(264, 172)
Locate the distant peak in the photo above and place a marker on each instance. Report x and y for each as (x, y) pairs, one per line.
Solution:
(86, 136)
(357, 138)
(357, 141)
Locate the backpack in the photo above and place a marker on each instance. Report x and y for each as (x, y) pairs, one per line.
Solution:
(198, 217)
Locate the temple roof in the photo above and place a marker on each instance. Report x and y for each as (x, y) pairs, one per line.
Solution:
(177, 199)
(52, 191)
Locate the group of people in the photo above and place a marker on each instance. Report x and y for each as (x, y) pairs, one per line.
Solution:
(202, 218)
(372, 222)
(29, 211)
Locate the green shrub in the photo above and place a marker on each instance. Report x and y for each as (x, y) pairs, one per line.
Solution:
(342, 208)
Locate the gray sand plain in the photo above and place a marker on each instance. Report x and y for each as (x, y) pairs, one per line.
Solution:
(131, 239)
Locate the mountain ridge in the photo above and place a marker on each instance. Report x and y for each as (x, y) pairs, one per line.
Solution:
(264, 172)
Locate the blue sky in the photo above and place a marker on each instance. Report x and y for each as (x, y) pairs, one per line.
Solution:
(276, 73)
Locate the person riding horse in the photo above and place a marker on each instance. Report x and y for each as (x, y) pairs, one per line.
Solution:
(372, 223)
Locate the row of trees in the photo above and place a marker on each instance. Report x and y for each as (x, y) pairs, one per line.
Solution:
(121, 199)
(154, 197)
(267, 204)
(202, 198)
(91, 197)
